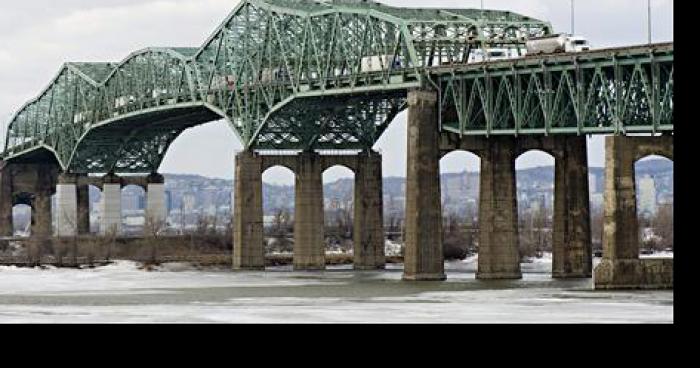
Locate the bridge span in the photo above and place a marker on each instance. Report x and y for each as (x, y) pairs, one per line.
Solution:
(307, 76)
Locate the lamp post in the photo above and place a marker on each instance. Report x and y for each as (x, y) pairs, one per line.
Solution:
(649, 19)
(573, 18)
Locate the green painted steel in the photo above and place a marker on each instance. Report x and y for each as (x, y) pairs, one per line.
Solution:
(613, 91)
(304, 75)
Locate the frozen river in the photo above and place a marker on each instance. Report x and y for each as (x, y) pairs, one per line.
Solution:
(176, 293)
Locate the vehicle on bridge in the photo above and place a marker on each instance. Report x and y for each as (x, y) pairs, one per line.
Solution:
(378, 63)
(557, 43)
(494, 54)
(269, 75)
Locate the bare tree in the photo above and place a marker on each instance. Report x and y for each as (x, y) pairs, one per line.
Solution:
(663, 226)
(153, 229)
(109, 239)
(455, 243)
(597, 228)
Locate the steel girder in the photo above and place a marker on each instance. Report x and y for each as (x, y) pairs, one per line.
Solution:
(614, 91)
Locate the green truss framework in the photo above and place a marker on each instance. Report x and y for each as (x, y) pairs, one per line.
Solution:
(613, 91)
(293, 75)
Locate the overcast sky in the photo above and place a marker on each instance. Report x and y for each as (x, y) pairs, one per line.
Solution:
(37, 36)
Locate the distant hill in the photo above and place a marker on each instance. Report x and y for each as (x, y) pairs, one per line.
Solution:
(454, 185)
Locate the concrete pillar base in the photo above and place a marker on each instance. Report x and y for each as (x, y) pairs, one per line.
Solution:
(425, 277)
(67, 208)
(572, 246)
(83, 206)
(111, 209)
(42, 225)
(6, 226)
(309, 235)
(156, 211)
(499, 253)
(376, 267)
(248, 249)
(369, 214)
(424, 258)
(499, 276)
(634, 274)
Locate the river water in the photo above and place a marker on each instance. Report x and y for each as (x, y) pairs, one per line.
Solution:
(177, 293)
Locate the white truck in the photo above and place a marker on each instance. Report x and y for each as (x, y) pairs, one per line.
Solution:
(478, 56)
(557, 43)
(378, 63)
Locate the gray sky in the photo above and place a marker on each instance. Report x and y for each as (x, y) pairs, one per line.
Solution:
(39, 35)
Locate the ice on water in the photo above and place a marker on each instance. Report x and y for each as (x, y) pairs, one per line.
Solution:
(124, 292)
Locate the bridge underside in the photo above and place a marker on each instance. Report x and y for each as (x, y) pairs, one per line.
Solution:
(138, 143)
(342, 122)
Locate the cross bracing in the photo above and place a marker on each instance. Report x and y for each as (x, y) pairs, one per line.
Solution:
(310, 75)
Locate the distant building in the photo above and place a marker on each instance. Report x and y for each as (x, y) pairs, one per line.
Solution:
(189, 201)
(592, 183)
(647, 196)
(597, 200)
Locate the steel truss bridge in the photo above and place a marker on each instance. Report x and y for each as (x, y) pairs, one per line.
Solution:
(294, 75)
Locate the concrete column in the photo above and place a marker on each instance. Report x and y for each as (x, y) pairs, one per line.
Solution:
(424, 258)
(309, 244)
(621, 267)
(369, 213)
(621, 226)
(156, 212)
(111, 206)
(83, 191)
(572, 247)
(499, 254)
(41, 215)
(66, 206)
(248, 246)
(6, 226)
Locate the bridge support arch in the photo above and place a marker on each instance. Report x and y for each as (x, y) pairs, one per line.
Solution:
(309, 235)
(499, 234)
(37, 181)
(621, 267)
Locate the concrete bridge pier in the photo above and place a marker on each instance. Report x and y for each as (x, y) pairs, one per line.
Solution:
(248, 249)
(424, 259)
(6, 222)
(571, 235)
(41, 215)
(67, 206)
(499, 254)
(156, 211)
(368, 224)
(111, 220)
(309, 237)
(83, 197)
(44, 188)
(621, 267)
